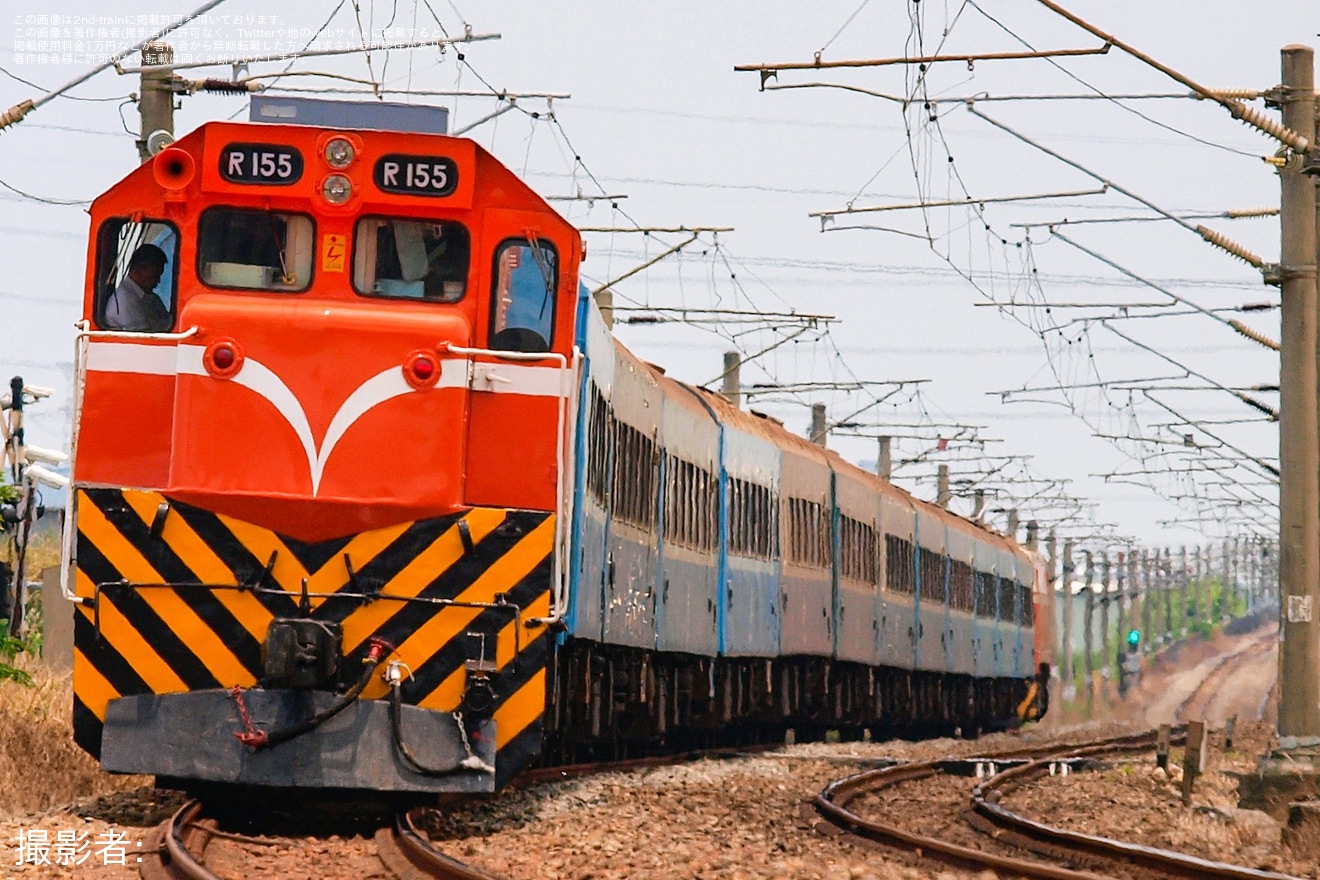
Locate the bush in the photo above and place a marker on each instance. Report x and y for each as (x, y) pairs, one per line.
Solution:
(29, 644)
(10, 648)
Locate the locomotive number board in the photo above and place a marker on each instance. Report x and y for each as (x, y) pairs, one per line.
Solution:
(261, 163)
(416, 175)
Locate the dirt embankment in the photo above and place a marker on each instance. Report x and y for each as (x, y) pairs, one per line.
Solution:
(1208, 680)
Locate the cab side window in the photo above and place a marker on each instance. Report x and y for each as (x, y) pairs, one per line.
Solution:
(523, 302)
(136, 275)
(411, 259)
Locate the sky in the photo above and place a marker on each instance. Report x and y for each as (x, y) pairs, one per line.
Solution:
(977, 300)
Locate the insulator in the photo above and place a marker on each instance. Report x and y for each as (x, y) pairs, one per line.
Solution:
(1260, 407)
(1244, 213)
(1253, 335)
(1276, 130)
(1237, 94)
(223, 85)
(15, 114)
(1227, 244)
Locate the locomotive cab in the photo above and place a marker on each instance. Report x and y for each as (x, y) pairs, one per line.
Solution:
(318, 461)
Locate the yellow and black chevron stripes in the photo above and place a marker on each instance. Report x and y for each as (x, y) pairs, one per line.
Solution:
(182, 600)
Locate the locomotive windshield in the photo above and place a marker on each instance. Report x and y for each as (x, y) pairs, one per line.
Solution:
(411, 259)
(254, 250)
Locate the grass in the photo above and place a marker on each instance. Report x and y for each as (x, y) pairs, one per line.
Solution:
(40, 767)
(43, 552)
(1216, 601)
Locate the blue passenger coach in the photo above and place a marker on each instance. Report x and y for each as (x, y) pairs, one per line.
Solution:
(730, 580)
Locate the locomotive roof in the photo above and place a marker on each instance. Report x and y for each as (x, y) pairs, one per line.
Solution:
(204, 145)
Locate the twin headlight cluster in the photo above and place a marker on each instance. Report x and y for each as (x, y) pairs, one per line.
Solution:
(338, 153)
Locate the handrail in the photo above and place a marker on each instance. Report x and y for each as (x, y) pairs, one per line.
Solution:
(80, 340)
(566, 399)
(135, 334)
(563, 504)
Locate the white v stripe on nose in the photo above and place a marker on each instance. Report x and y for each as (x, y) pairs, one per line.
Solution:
(257, 377)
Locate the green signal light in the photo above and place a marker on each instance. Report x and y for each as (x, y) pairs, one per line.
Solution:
(1134, 638)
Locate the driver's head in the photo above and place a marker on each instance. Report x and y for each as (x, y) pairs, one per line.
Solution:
(146, 266)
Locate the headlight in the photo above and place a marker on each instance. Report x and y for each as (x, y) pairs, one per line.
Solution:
(339, 153)
(337, 189)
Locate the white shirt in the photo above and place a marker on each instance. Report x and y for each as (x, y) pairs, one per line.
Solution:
(129, 309)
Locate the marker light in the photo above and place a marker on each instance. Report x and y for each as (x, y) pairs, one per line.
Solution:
(337, 189)
(223, 358)
(339, 153)
(421, 369)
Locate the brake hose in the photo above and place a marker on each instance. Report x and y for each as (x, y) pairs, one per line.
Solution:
(471, 761)
(263, 739)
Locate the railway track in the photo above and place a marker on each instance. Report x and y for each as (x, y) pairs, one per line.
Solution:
(1201, 700)
(176, 850)
(1068, 855)
(989, 835)
(410, 856)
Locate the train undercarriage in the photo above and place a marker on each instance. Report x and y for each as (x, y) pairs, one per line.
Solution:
(609, 702)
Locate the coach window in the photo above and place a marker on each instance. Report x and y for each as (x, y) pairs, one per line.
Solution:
(248, 249)
(116, 242)
(411, 259)
(898, 564)
(985, 595)
(523, 303)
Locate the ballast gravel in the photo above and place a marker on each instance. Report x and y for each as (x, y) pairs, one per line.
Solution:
(1141, 803)
(745, 818)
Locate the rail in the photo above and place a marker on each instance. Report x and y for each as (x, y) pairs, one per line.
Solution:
(985, 795)
(1007, 825)
(405, 851)
(176, 846)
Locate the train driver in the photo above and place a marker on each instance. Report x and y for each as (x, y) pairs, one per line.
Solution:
(134, 305)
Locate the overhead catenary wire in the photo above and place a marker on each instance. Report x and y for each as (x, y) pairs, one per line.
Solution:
(424, 93)
(1270, 469)
(1234, 94)
(20, 110)
(1232, 324)
(310, 53)
(843, 27)
(64, 203)
(1236, 108)
(818, 63)
(1237, 214)
(1218, 240)
(66, 96)
(953, 203)
(1245, 398)
(990, 297)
